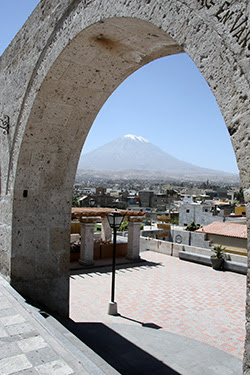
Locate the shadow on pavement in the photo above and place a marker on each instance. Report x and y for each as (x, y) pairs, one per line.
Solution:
(147, 325)
(121, 354)
(108, 268)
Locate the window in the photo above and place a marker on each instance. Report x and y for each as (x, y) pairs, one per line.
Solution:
(187, 211)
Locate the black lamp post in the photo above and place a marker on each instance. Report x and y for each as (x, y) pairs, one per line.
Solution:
(115, 219)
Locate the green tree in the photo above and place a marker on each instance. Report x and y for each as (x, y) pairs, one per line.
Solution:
(239, 196)
(75, 202)
(124, 226)
(192, 226)
(175, 220)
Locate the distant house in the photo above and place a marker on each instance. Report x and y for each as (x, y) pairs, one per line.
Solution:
(100, 199)
(240, 210)
(160, 201)
(206, 213)
(232, 236)
(146, 198)
(221, 193)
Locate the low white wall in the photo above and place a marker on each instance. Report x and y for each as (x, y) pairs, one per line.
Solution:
(164, 247)
(172, 249)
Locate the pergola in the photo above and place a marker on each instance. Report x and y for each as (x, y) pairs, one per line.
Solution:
(89, 216)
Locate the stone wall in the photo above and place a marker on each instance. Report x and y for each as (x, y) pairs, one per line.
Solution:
(182, 236)
(172, 249)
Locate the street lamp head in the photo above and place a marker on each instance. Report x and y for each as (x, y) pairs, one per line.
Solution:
(115, 219)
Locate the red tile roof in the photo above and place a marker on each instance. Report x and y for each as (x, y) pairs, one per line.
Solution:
(225, 229)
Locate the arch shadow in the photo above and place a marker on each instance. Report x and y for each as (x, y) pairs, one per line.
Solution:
(120, 353)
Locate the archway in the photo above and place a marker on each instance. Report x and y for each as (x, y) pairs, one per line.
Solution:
(57, 73)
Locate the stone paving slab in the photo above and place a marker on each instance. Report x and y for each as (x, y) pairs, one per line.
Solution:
(29, 345)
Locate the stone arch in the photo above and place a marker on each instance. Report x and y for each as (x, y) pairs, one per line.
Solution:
(57, 73)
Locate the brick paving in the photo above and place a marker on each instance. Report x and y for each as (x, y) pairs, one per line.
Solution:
(181, 297)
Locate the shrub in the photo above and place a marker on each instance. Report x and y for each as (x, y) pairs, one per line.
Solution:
(124, 226)
(218, 252)
(192, 226)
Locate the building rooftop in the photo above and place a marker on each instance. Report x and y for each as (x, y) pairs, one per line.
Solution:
(77, 212)
(225, 229)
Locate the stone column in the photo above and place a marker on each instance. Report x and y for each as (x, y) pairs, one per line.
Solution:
(87, 240)
(106, 229)
(134, 225)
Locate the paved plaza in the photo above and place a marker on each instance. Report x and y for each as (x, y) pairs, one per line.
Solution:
(176, 318)
(169, 294)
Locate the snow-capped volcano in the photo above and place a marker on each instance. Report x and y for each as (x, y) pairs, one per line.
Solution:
(132, 152)
(127, 152)
(136, 138)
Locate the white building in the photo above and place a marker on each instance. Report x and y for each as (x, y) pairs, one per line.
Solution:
(204, 214)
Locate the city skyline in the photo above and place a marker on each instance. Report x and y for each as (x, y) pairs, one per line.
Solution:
(167, 102)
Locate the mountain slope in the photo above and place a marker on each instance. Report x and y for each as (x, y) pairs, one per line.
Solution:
(137, 153)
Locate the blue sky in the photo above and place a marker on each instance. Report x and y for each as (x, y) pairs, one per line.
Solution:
(167, 101)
